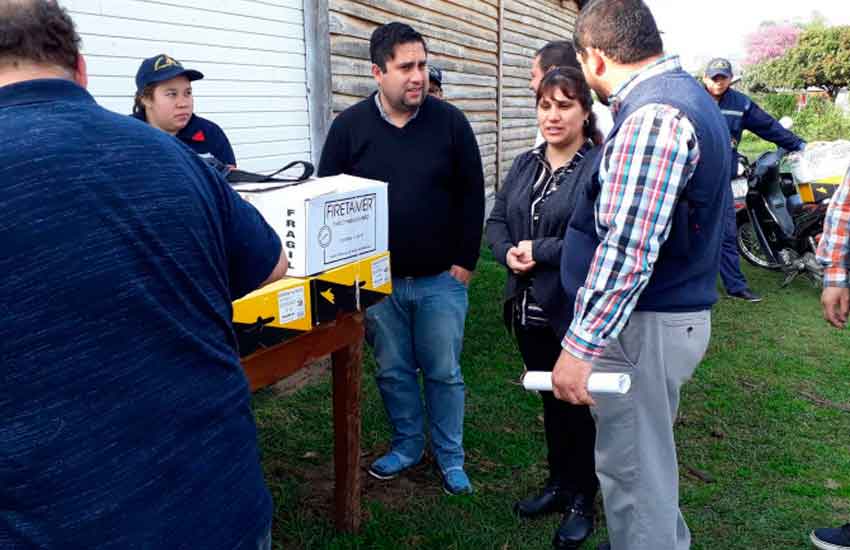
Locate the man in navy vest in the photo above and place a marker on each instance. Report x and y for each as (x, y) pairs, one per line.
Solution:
(741, 113)
(640, 260)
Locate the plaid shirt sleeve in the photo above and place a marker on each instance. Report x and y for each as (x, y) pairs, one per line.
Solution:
(834, 249)
(644, 170)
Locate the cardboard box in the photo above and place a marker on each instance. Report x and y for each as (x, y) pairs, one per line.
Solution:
(325, 222)
(292, 306)
(821, 162)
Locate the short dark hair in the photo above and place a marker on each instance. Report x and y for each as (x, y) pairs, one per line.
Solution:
(37, 31)
(624, 30)
(558, 53)
(572, 84)
(386, 37)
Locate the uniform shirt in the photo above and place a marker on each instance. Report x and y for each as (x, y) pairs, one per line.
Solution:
(834, 249)
(742, 113)
(644, 167)
(125, 416)
(205, 137)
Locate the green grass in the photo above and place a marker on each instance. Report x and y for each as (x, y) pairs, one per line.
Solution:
(762, 420)
(752, 146)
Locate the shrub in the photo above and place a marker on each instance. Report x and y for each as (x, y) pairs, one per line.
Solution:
(778, 105)
(822, 120)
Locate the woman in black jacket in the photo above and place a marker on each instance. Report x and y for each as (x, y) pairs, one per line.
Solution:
(525, 231)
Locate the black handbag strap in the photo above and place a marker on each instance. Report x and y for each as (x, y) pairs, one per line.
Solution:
(241, 176)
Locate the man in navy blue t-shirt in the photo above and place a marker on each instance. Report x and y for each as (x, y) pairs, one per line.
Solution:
(125, 417)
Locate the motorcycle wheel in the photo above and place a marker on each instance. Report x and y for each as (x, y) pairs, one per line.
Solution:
(750, 248)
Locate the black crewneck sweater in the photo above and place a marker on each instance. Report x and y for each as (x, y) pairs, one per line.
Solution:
(435, 181)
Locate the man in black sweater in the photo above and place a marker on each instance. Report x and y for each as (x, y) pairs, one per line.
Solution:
(426, 151)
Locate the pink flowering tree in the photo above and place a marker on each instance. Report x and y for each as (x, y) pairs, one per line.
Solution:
(769, 42)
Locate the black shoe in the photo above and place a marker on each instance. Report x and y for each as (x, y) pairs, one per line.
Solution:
(745, 294)
(604, 546)
(552, 498)
(577, 524)
(832, 539)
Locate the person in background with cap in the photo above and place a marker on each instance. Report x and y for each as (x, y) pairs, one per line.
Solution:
(741, 113)
(435, 82)
(164, 100)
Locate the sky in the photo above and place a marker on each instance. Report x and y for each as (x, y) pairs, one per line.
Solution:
(698, 30)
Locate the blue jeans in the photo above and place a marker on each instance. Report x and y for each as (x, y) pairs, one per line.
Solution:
(420, 327)
(730, 262)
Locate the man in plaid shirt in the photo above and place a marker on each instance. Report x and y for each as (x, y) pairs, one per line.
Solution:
(834, 254)
(640, 260)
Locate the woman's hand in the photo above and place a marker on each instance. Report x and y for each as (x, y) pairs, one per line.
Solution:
(526, 248)
(518, 260)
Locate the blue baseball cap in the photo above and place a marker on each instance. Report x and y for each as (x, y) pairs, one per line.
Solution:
(718, 67)
(161, 68)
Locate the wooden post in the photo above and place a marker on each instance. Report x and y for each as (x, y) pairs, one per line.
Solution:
(343, 340)
(347, 368)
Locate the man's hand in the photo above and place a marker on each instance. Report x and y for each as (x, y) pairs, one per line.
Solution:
(462, 274)
(569, 379)
(517, 262)
(836, 305)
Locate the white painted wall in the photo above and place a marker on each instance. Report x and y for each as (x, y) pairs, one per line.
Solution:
(251, 52)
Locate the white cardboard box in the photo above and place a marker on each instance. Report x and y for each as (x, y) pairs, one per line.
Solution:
(323, 222)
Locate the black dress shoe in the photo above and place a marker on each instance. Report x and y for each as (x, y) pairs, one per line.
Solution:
(747, 295)
(577, 524)
(548, 501)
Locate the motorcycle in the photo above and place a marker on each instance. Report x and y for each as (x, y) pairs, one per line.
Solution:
(776, 230)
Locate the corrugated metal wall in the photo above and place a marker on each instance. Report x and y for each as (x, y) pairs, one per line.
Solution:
(465, 39)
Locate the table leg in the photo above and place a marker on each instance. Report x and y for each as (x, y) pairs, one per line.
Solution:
(347, 369)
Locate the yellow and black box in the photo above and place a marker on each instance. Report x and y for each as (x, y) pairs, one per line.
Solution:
(296, 305)
(817, 191)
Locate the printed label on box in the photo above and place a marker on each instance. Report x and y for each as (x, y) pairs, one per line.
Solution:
(291, 305)
(349, 228)
(381, 272)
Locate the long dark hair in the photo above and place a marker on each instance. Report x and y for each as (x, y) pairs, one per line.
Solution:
(572, 84)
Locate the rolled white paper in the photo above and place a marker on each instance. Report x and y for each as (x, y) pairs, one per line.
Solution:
(599, 382)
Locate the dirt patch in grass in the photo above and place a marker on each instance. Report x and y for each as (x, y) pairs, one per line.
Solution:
(418, 482)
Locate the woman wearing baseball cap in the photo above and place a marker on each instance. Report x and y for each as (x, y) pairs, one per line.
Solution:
(164, 100)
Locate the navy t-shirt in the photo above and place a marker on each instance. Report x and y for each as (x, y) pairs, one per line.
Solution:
(125, 418)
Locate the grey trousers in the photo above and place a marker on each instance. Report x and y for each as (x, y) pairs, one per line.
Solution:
(635, 451)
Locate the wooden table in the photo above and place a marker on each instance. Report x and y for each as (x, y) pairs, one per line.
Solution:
(343, 341)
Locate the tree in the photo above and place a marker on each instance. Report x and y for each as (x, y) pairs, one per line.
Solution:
(820, 59)
(770, 41)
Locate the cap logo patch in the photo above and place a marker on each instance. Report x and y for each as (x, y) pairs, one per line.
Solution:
(163, 62)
